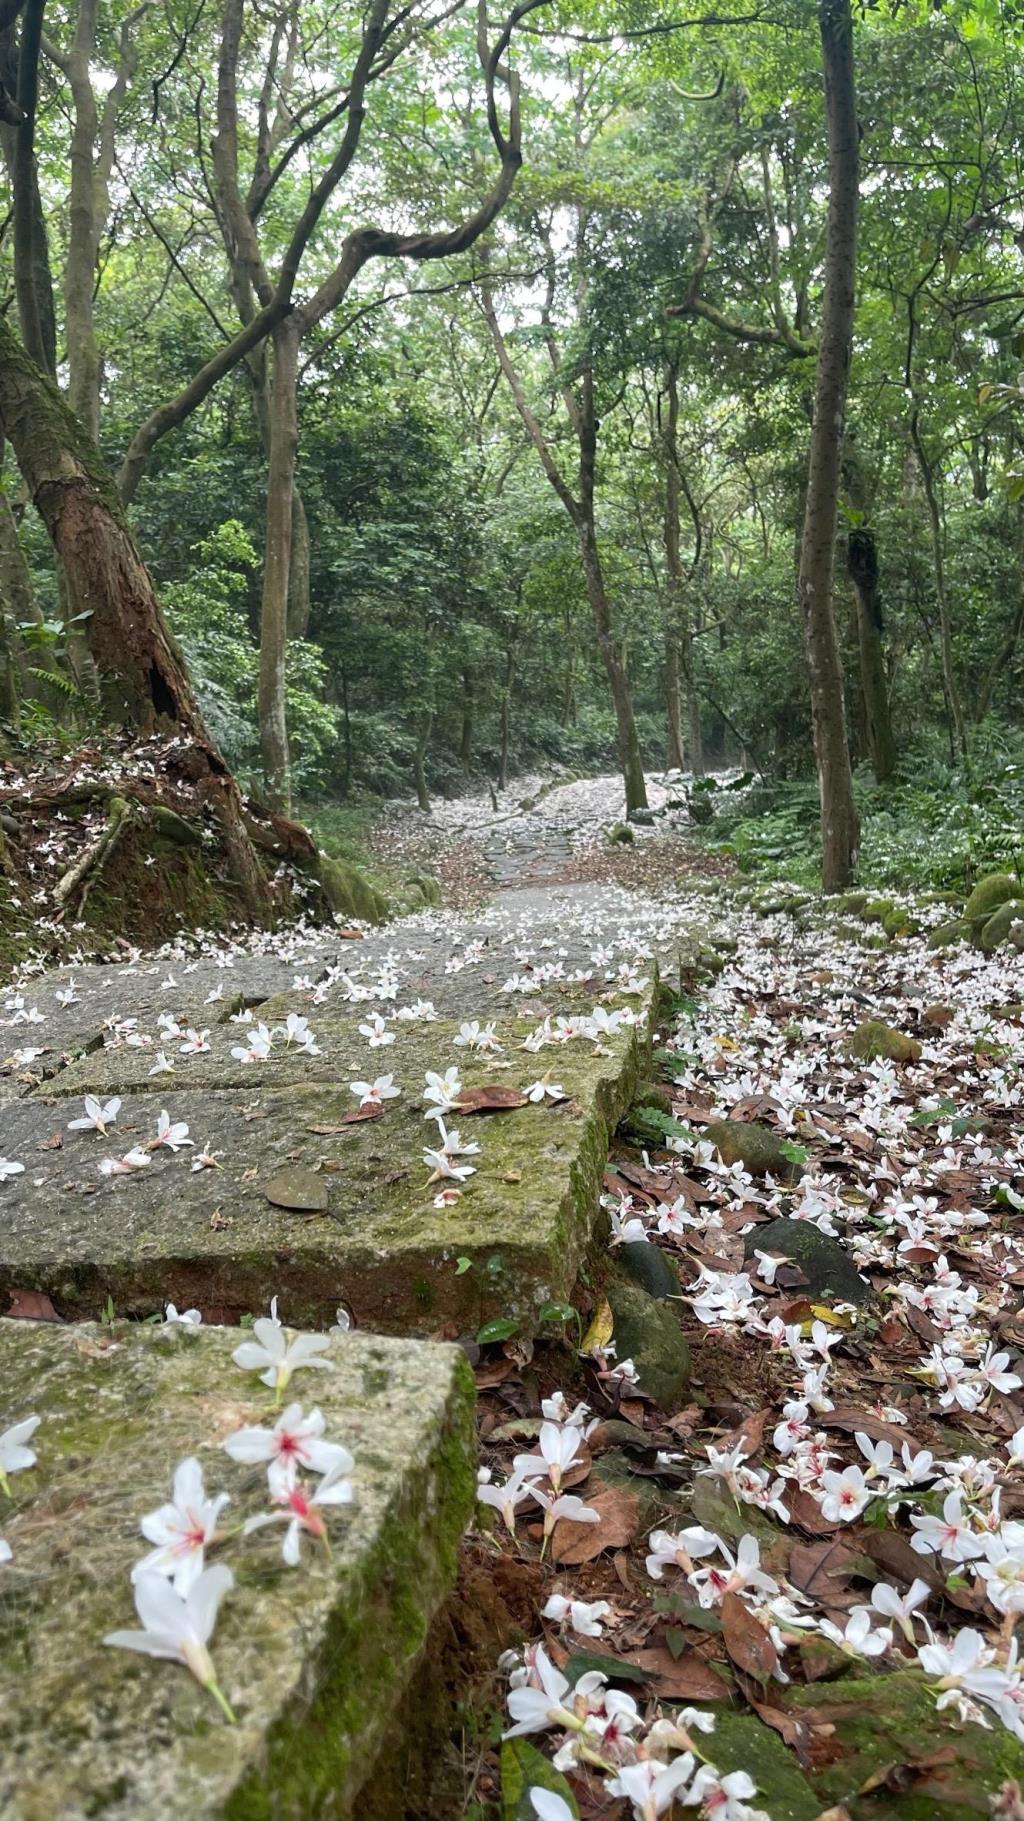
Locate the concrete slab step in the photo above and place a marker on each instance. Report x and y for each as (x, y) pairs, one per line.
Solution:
(315, 1660)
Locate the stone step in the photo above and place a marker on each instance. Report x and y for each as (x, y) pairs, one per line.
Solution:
(315, 1660)
(368, 1232)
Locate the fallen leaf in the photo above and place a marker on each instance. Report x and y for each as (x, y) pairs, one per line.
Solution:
(746, 1639)
(489, 1100)
(618, 1522)
(817, 1569)
(31, 1305)
(300, 1190)
(686, 1678)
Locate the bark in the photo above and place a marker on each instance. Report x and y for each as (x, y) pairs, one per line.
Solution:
(673, 705)
(466, 736)
(423, 730)
(107, 579)
(1002, 661)
(954, 704)
(582, 415)
(506, 717)
(839, 823)
(696, 736)
(862, 565)
(299, 576)
(277, 564)
(33, 283)
(680, 626)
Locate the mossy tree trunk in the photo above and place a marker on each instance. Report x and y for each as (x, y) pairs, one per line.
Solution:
(862, 565)
(839, 823)
(143, 675)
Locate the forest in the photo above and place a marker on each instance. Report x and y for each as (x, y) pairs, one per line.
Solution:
(512, 910)
(456, 376)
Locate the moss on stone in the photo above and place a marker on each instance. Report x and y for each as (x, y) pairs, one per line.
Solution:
(873, 1039)
(349, 893)
(997, 928)
(989, 894)
(947, 935)
(750, 1143)
(648, 1333)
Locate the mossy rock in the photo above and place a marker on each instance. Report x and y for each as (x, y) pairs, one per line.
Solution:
(851, 904)
(648, 1333)
(349, 894)
(826, 1264)
(947, 935)
(741, 1742)
(428, 888)
(989, 894)
(890, 1719)
(621, 833)
(647, 1265)
(875, 938)
(877, 909)
(698, 961)
(900, 922)
(996, 930)
(873, 1039)
(750, 1143)
(654, 1094)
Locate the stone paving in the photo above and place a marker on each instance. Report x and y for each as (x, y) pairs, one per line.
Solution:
(280, 1193)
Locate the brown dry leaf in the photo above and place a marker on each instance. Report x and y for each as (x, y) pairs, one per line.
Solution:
(56, 1143)
(686, 1678)
(31, 1305)
(901, 1776)
(853, 1421)
(617, 1525)
(750, 1434)
(817, 1569)
(358, 1114)
(746, 1639)
(350, 935)
(806, 1512)
(490, 1100)
(794, 1729)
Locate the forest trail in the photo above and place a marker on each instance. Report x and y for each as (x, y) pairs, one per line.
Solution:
(778, 1415)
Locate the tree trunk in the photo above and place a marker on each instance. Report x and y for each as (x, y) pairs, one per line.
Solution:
(1001, 662)
(299, 578)
(630, 761)
(506, 718)
(107, 580)
(696, 739)
(673, 705)
(426, 722)
(839, 824)
(466, 739)
(33, 282)
(277, 565)
(956, 713)
(862, 564)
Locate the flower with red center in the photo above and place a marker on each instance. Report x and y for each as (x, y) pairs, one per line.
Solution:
(295, 1442)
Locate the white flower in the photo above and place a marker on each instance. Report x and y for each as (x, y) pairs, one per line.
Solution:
(14, 1456)
(5, 1550)
(442, 1091)
(548, 1805)
(195, 1042)
(858, 1636)
(544, 1088)
(724, 1798)
(678, 1549)
(258, 1047)
(135, 1159)
(179, 1629)
(950, 1535)
(846, 1495)
(188, 1318)
(295, 1441)
(162, 1065)
(559, 1449)
(652, 1787)
(206, 1160)
(181, 1530)
(584, 1616)
(535, 1708)
(300, 1511)
(172, 1136)
(891, 1605)
(566, 1505)
(376, 1032)
(506, 1499)
(744, 1570)
(9, 1168)
(97, 1117)
(474, 1036)
(374, 1093)
(280, 1355)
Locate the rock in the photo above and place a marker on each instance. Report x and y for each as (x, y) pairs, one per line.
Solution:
(750, 1143)
(647, 1265)
(877, 909)
(900, 922)
(698, 961)
(873, 1039)
(996, 930)
(826, 1264)
(348, 893)
(298, 1188)
(654, 1094)
(644, 818)
(622, 833)
(648, 1333)
(851, 904)
(947, 935)
(938, 1017)
(317, 1661)
(989, 894)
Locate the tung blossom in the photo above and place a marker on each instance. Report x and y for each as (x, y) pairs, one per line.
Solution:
(98, 1115)
(296, 1441)
(179, 1629)
(301, 1511)
(14, 1456)
(276, 1352)
(181, 1530)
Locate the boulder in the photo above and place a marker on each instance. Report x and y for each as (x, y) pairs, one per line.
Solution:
(989, 894)
(830, 1272)
(750, 1143)
(647, 1265)
(947, 935)
(349, 894)
(873, 1039)
(621, 833)
(996, 929)
(648, 1333)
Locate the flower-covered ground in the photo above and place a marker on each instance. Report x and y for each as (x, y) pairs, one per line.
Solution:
(750, 1533)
